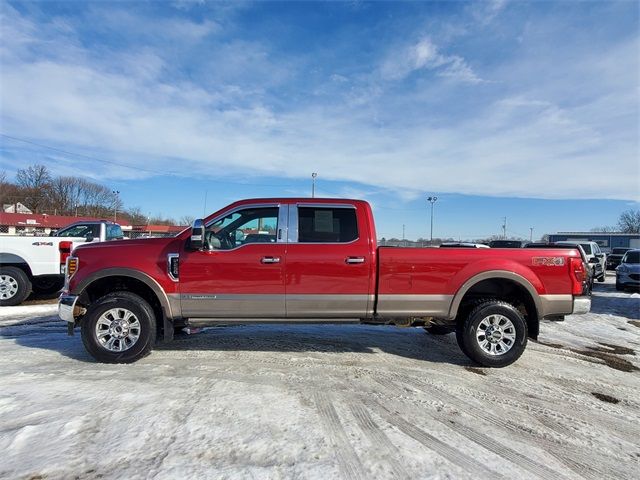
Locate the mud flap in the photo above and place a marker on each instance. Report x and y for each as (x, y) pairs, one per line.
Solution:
(167, 334)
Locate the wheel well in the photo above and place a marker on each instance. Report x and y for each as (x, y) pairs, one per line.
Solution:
(103, 286)
(22, 266)
(507, 291)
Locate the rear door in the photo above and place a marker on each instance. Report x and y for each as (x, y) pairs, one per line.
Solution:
(328, 262)
(240, 273)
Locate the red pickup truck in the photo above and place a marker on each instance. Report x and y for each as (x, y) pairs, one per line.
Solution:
(312, 260)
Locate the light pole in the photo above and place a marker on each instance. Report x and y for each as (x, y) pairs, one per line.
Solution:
(431, 200)
(115, 204)
(313, 184)
(531, 234)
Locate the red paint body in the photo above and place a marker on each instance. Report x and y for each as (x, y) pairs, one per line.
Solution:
(308, 269)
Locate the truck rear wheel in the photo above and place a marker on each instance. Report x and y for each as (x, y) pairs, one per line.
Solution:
(119, 328)
(494, 334)
(15, 286)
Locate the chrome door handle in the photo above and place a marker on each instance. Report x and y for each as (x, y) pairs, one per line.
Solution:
(354, 260)
(270, 260)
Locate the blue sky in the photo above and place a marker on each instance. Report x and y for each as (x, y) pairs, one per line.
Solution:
(516, 109)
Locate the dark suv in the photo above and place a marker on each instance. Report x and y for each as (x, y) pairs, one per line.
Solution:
(614, 258)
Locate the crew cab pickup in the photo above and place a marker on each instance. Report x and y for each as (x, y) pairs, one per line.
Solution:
(37, 264)
(312, 260)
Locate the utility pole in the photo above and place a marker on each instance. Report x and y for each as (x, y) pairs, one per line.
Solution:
(431, 200)
(531, 234)
(76, 209)
(313, 184)
(403, 231)
(115, 204)
(504, 228)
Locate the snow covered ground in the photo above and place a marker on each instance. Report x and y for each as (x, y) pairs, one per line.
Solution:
(323, 402)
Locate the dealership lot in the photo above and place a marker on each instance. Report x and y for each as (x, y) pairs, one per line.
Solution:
(323, 401)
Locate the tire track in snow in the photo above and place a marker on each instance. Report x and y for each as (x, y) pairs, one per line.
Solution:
(348, 460)
(594, 466)
(446, 451)
(378, 439)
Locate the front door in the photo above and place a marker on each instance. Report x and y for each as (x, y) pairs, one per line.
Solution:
(240, 271)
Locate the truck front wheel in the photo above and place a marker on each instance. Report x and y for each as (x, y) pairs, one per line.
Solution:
(494, 334)
(15, 286)
(119, 328)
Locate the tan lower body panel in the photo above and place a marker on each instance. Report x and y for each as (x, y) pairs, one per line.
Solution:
(414, 305)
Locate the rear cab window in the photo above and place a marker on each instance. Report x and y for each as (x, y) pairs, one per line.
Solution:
(327, 224)
(114, 232)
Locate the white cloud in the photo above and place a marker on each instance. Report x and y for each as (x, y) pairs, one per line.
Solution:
(425, 55)
(522, 144)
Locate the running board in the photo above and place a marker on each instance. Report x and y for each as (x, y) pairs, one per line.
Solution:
(204, 322)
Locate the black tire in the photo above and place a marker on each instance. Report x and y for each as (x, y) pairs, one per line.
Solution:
(602, 278)
(136, 305)
(13, 279)
(619, 287)
(439, 330)
(47, 285)
(469, 344)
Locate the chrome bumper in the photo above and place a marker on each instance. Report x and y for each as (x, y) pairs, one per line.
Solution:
(581, 305)
(66, 307)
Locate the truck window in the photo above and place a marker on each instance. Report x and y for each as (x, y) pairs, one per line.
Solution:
(587, 248)
(252, 225)
(80, 231)
(114, 232)
(327, 225)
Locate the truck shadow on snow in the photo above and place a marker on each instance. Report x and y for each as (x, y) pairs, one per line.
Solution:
(412, 343)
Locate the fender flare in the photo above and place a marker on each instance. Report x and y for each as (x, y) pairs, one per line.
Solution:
(137, 275)
(489, 275)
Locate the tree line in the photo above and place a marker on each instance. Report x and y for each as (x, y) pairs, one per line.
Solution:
(41, 192)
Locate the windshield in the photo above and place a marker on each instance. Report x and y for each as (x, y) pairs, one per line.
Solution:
(632, 257)
(586, 247)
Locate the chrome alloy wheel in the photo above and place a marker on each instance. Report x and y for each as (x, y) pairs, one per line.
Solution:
(8, 287)
(496, 334)
(117, 329)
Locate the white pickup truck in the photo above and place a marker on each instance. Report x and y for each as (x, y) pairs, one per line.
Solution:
(37, 263)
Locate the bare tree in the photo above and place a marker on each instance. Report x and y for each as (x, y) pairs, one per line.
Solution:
(136, 217)
(186, 220)
(35, 181)
(629, 221)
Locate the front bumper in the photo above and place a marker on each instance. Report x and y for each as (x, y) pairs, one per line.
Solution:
(581, 305)
(67, 307)
(628, 279)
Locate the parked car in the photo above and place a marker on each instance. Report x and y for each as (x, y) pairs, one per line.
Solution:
(324, 266)
(595, 257)
(614, 258)
(506, 244)
(463, 245)
(38, 263)
(628, 272)
(589, 279)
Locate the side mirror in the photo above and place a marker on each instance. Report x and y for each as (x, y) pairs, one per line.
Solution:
(594, 260)
(197, 234)
(88, 238)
